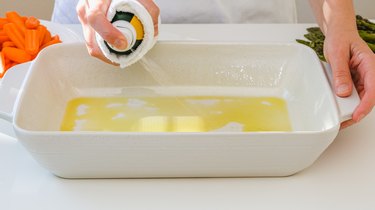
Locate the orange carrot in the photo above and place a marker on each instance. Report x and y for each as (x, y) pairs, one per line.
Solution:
(8, 44)
(7, 60)
(34, 56)
(32, 23)
(31, 41)
(54, 40)
(47, 37)
(5, 64)
(2, 66)
(41, 33)
(3, 21)
(21, 39)
(15, 18)
(3, 39)
(11, 64)
(16, 55)
(14, 35)
(8, 66)
(57, 37)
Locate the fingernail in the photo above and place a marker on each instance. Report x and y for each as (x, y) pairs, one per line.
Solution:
(342, 89)
(120, 44)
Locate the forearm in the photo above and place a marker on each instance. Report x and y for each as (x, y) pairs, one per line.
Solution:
(334, 14)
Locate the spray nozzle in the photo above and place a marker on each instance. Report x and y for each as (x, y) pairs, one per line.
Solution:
(128, 31)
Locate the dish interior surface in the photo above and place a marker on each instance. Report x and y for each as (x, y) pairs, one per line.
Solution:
(288, 75)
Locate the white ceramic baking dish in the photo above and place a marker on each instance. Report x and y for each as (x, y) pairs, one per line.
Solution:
(289, 71)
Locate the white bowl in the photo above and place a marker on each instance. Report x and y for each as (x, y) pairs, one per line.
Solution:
(289, 71)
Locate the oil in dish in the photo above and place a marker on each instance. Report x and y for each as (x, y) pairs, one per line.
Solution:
(176, 114)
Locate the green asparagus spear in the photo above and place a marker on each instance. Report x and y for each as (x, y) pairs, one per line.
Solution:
(315, 37)
(372, 47)
(363, 22)
(368, 37)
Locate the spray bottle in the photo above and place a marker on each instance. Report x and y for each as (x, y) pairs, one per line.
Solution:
(133, 20)
(131, 27)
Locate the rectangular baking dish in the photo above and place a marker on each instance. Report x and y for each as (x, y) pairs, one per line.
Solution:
(288, 71)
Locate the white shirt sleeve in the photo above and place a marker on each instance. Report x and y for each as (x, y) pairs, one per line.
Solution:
(64, 12)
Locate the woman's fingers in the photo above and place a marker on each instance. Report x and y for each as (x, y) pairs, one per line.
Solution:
(154, 11)
(339, 60)
(97, 19)
(93, 16)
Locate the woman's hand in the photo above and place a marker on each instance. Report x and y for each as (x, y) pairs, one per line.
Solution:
(93, 16)
(352, 61)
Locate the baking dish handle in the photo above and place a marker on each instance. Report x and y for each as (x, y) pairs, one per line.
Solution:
(346, 105)
(10, 88)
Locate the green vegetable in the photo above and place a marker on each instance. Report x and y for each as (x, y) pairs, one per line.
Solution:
(315, 37)
(372, 47)
(367, 36)
(365, 24)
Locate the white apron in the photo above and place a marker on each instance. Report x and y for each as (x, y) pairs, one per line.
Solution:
(227, 11)
(203, 11)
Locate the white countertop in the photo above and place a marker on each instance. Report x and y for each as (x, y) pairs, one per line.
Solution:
(342, 178)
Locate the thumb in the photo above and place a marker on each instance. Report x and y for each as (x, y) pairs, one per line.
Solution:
(342, 79)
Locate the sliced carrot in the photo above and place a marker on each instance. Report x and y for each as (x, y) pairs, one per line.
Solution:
(7, 60)
(7, 66)
(2, 65)
(16, 55)
(11, 64)
(57, 37)
(8, 44)
(31, 41)
(32, 23)
(15, 18)
(34, 56)
(42, 30)
(4, 39)
(21, 39)
(54, 40)
(47, 37)
(14, 35)
(3, 21)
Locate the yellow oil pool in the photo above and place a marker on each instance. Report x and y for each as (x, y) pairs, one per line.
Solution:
(176, 114)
